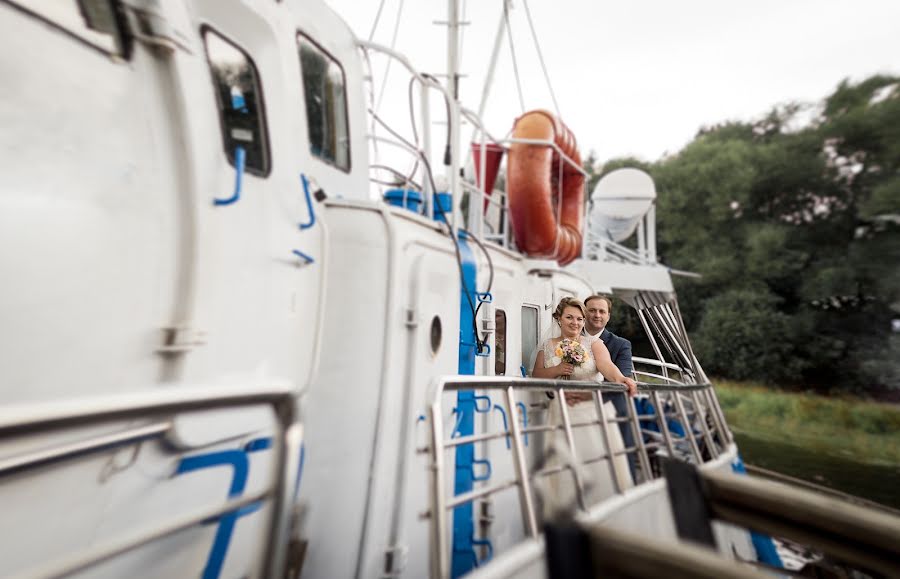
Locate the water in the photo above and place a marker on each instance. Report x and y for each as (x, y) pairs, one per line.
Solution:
(875, 482)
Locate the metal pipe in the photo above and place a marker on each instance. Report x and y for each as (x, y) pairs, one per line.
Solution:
(573, 454)
(613, 469)
(86, 559)
(529, 520)
(48, 456)
(851, 533)
(689, 430)
(707, 435)
(663, 427)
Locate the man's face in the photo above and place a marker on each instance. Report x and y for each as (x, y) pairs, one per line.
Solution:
(597, 315)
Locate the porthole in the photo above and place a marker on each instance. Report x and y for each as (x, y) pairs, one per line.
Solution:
(435, 334)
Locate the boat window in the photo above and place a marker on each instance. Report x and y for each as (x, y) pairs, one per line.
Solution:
(239, 98)
(326, 104)
(92, 21)
(529, 335)
(500, 343)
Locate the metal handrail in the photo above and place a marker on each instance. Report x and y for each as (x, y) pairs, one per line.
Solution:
(440, 503)
(852, 533)
(23, 420)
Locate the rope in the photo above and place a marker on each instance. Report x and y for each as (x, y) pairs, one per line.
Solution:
(537, 46)
(512, 50)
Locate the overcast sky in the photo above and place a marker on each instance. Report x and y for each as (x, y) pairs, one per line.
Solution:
(639, 77)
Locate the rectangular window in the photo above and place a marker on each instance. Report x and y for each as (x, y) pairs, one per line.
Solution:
(326, 104)
(239, 98)
(529, 335)
(500, 343)
(92, 21)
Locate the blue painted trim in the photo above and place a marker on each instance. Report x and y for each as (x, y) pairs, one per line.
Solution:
(258, 444)
(488, 469)
(300, 471)
(305, 257)
(240, 159)
(505, 423)
(763, 544)
(309, 205)
(490, 554)
(237, 460)
(463, 554)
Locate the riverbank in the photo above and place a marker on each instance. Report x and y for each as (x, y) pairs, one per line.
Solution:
(844, 427)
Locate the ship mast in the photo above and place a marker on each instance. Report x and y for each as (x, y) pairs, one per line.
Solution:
(453, 27)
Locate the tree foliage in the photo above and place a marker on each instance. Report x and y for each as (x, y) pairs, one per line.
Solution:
(794, 223)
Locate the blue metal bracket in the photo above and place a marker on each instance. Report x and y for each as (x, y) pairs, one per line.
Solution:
(485, 352)
(240, 158)
(484, 297)
(309, 205)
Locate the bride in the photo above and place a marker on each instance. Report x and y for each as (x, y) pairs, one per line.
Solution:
(598, 367)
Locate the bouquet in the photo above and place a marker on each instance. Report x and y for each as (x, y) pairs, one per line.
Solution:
(571, 352)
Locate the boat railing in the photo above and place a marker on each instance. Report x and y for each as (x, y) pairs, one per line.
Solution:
(853, 536)
(677, 421)
(156, 411)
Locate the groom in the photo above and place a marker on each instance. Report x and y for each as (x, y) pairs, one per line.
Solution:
(599, 309)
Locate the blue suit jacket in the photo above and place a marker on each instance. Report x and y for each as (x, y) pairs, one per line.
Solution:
(619, 350)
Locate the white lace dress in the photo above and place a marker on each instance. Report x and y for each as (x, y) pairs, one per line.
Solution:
(588, 440)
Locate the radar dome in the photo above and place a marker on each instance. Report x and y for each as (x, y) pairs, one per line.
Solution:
(619, 201)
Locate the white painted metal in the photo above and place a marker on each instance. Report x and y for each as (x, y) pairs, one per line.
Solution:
(121, 277)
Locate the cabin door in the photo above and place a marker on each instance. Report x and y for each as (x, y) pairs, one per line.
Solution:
(259, 298)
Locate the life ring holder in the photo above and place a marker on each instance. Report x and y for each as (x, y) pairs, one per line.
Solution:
(543, 159)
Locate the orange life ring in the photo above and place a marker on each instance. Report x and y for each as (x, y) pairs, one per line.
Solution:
(537, 179)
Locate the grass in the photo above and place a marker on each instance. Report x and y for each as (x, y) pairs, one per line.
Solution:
(865, 431)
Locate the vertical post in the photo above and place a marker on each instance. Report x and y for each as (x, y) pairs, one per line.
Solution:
(529, 520)
(642, 238)
(713, 451)
(651, 233)
(613, 470)
(573, 455)
(663, 427)
(439, 541)
(286, 466)
(453, 89)
(689, 431)
(427, 192)
(639, 441)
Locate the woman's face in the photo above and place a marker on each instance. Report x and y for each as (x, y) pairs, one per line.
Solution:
(571, 322)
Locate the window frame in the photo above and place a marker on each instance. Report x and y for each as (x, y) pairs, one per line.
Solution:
(308, 38)
(122, 39)
(500, 342)
(261, 102)
(537, 323)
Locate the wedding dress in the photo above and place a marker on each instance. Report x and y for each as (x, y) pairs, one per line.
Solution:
(588, 440)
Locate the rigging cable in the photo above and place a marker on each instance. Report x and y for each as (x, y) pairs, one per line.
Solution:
(479, 344)
(537, 46)
(387, 67)
(512, 51)
(377, 18)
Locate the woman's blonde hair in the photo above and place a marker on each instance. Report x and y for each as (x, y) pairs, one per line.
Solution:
(568, 303)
